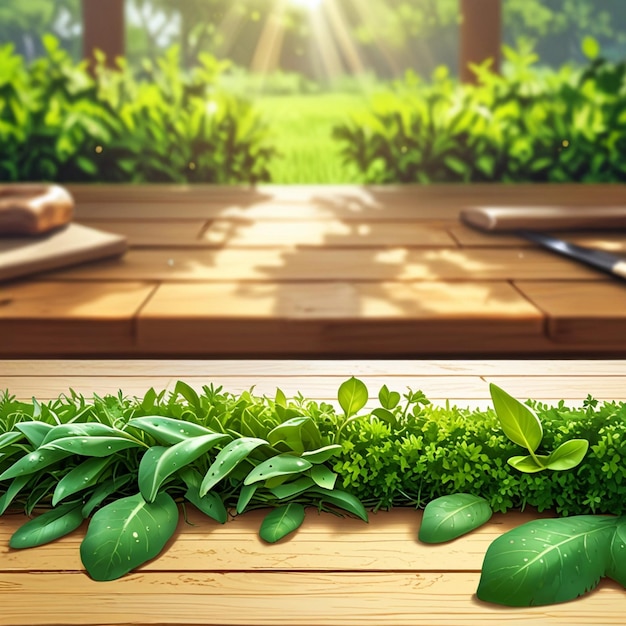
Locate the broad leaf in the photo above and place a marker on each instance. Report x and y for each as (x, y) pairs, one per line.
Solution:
(280, 465)
(88, 429)
(547, 561)
(519, 422)
(228, 458)
(189, 393)
(34, 462)
(323, 477)
(616, 567)
(352, 396)
(342, 500)
(527, 464)
(167, 430)
(297, 433)
(91, 446)
(126, 533)
(159, 462)
(321, 455)
(53, 524)
(281, 521)
(388, 399)
(245, 495)
(7, 439)
(82, 476)
(292, 489)
(17, 484)
(568, 455)
(385, 415)
(210, 504)
(34, 431)
(103, 491)
(451, 516)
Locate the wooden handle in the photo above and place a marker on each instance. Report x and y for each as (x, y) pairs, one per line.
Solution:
(498, 219)
(27, 209)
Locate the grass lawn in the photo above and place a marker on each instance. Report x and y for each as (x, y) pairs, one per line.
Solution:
(301, 127)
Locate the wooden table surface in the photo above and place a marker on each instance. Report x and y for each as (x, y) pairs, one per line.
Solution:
(319, 271)
(332, 571)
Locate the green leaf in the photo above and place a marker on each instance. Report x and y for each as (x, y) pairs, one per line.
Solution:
(297, 433)
(34, 462)
(451, 516)
(190, 395)
(568, 454)
(82, 476)
(616, 567)
(87, 429)
(159, 462)
(343, 500)
(103, 491)
(281, 521)
(323, 477)
(34, 431)
(280, 465)
(280, 399)
(210, 504)
(519, 422)
(167, 430)
(527, 464)
(386, 416)
(546, 561)
(245, 495)
(352, 396)
(321, 455)
(17, 484)
(126, 533)
(293, 488)
(388, 399)
(7, 439)
(590, 47)
(226, 461)
(47, 527)
(91, 446)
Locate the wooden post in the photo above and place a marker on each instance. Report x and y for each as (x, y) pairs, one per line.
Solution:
(103, 29)
(481, 35)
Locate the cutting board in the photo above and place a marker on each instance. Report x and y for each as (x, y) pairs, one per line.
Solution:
(68, 245)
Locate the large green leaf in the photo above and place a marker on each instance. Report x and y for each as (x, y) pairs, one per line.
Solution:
(91, 446)
(167, 430)
(228, 458)
(103, 491)
(159, 462)
(7, 439)
(451, 516)
(87, 429)
(293, 488)
(82, 476)
(281, 521)
(519, 422)
(53, 524)
(616, 567)
(547, 561)
(34, 462)
(210, 504)
(126, 533)
(568, 455)
(280, 465)
(321, 455)
(34, 431)
(323, 477)
(528, 464)
(352, 396)
(245, 495)
(297, 433)
(342, 500)
(17, 484)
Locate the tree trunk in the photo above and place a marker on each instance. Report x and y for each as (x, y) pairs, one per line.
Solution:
(103, 29)
(481, 35)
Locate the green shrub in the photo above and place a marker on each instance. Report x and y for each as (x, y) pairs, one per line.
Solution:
(59, 124)
(520, 127)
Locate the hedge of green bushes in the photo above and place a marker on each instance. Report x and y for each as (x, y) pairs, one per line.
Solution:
(524, 126)
(57, 123)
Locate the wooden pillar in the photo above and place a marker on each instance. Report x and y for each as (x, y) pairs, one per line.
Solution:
(103, 29)
(481, 35)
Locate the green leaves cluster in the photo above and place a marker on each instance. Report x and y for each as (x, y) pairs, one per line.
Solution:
(59, 124)
(523, 126)
(522, 426)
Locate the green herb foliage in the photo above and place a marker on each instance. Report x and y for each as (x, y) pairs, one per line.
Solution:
(57, 123)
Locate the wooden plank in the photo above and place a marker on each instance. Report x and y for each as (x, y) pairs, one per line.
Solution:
(399, 264)
(180, 233)
(582, 312)
(326, 234)
(128, 369)
(557, 387)
(388, 542)
(277, 598)
(337, 318)
(59, 318)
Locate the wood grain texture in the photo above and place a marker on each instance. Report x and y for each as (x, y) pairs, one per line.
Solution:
(165, 233)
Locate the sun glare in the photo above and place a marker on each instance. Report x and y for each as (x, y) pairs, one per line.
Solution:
(307, 4)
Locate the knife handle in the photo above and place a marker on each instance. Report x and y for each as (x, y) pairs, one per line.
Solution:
(496, 219)
(31, 209)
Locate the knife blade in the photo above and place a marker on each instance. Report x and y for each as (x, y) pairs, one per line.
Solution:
(599, 259)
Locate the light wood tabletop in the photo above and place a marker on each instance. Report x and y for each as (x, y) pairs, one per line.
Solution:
(314, 271)
(332, 571)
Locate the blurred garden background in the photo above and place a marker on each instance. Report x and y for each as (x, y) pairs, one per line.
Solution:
(313, 91)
